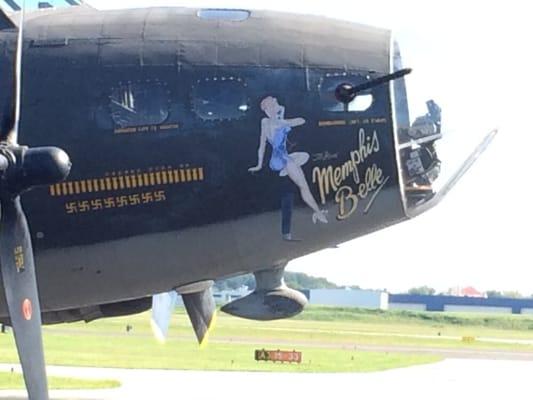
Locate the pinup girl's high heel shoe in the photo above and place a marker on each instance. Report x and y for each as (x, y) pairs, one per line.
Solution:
(320, 216)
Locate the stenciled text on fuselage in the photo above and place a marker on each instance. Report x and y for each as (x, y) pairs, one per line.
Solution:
(335, 179)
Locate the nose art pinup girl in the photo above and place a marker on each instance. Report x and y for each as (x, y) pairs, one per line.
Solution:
(275, 130)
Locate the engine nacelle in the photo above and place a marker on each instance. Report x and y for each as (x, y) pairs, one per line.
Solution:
(271, 300)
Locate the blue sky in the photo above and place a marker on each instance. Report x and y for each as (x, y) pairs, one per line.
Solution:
(474, 59)
(32, 4)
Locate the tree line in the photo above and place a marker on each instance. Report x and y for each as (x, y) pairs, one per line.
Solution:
(295, 280)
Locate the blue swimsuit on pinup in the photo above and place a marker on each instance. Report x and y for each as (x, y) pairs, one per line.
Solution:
(280, 156)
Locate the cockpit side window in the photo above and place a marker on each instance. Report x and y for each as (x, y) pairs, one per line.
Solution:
(139, 103)
(221, 14)
(220, 98)
(329, 83)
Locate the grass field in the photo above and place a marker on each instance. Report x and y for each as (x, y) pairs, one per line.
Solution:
(13, 381)
(501, 323)
(329, 339)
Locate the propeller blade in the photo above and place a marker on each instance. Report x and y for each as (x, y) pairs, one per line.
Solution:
(201, 308)
(9, 105)
(22, 169)
(163, 306)
(14, 132)
(9, 126)
(18, 274)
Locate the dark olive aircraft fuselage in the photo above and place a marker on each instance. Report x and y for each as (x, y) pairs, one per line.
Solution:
(163, 113)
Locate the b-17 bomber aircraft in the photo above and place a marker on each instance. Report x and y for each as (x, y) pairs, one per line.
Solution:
(157, 150)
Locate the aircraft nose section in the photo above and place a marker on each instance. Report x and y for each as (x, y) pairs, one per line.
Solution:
(432, 161)
(423, 198)
(433, 152)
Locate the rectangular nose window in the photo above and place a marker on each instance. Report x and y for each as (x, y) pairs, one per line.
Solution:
(224, 14)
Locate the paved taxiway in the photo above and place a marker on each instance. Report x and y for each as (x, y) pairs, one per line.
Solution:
(452, 378)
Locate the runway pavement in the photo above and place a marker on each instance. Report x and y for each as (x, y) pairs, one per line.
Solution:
(451, 378)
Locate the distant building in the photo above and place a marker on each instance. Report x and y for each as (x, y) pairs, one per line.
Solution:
(460, 304)
(227, 296)
(224, 296)
(356, 298)
(467, 292)
(470, 300)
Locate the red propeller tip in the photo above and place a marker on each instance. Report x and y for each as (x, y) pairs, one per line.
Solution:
(27, 309)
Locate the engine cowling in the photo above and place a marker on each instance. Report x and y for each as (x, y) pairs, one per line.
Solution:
(271, 300)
